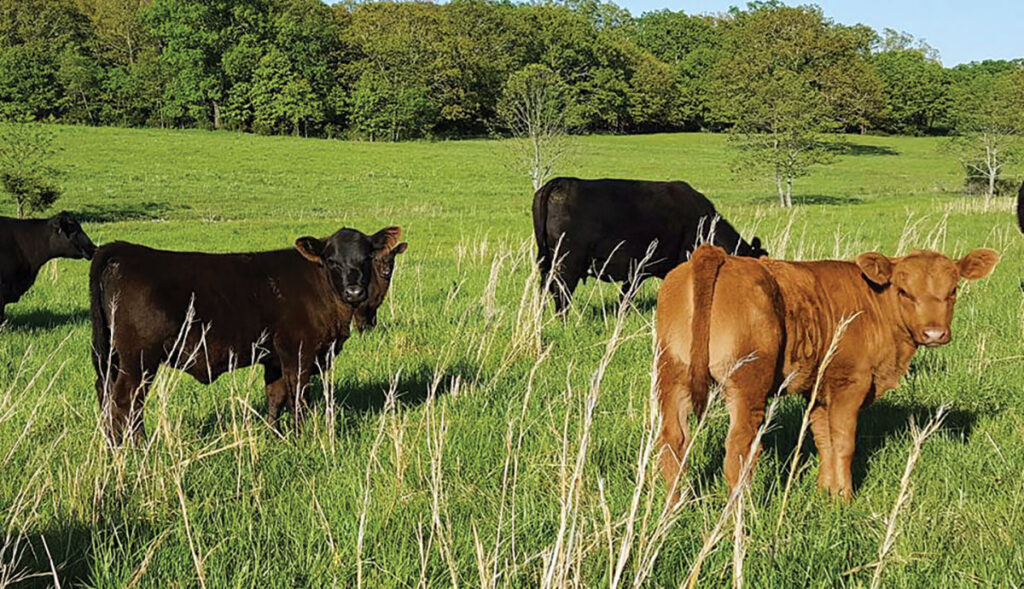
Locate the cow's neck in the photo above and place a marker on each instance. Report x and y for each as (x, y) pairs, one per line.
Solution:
(35, 250)
(903, 343)
(341, 311)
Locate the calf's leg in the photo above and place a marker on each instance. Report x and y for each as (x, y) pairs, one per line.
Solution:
(565, 277)
(290, 377)
(823, 441)
(276, 392)
(746, 394)
(123, 407)
(676, 406)
(844, 402)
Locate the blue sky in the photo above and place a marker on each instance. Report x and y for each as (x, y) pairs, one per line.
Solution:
(962, 31)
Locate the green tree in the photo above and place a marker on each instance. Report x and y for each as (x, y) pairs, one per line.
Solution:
(193, 37)
(80, 78)
(691, 46)
(990, 125)
(533, 109)
(309, 34)
(850, 83)
(774, 89)
(281, 97)
(652, 94)
(133, 94)
(27, 174)
(34, 36)
(475, 49)
(916, 91)
(390, 96)
(121, 34)
(382, 109)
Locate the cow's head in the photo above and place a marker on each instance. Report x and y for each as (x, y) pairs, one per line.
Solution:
(67, 240)
(347, 258)
(752, 249)
(924, 284)
(380, 281)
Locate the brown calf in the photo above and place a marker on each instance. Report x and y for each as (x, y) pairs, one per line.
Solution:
(780, 316)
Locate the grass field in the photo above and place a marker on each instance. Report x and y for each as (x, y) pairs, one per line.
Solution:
(518, 452)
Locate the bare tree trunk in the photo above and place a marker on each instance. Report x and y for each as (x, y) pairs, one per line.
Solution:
(992, 162)
(536, 174)
(216, 114)
(21, 207)
(85, 99)
(778, 186)
(789, 191)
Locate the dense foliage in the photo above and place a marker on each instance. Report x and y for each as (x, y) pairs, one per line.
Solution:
(393, 71)
(27, 175)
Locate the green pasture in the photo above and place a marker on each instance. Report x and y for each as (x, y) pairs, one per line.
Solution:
(491, 468)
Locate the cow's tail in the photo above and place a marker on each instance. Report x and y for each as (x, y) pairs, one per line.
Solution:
(1020, 208)
(104, 359)
(706, 262)
(540, 220)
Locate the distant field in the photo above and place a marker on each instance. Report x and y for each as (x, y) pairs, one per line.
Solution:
(469, 479)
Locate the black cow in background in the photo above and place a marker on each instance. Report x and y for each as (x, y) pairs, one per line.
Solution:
(603, 228)
(27, 244)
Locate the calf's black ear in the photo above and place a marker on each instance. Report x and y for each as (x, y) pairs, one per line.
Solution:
(386, 238)
(399, 248)
(311, 248)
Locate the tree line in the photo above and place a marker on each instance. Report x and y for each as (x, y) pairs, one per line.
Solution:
(404, 70)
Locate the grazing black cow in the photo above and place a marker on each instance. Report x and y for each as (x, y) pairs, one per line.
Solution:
(288, 310)
(27, 244)
(380, 282)
(603, 228)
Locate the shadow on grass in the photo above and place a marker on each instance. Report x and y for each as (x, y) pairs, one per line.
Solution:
(414, 387)
(814, 199)
(45, 318)
(70, 548)
(860, 150)
(599, 305)
(825, 199)
(355, 401)
(107, 213)
(876, 427)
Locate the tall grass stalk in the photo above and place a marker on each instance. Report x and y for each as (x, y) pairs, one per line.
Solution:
(918, 437)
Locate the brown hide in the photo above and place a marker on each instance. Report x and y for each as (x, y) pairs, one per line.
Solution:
(779, 318)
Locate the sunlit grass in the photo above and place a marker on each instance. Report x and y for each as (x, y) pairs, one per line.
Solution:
(517, 449)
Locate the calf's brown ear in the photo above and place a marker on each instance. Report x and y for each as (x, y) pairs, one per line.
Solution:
(876, 267)
(311, 248)
(386, 238)
(978, 263)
